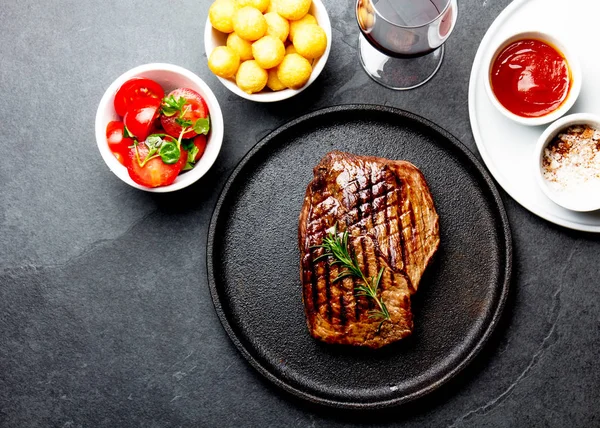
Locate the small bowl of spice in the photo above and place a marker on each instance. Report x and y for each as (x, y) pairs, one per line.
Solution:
(567, 162)
(533, 78)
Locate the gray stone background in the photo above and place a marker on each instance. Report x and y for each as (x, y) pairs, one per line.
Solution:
(92, 334)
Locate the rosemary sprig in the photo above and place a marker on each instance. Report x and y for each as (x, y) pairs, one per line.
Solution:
(336, 247)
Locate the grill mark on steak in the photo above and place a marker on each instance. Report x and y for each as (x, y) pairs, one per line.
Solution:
(334, 315)
(339, 291)
(314, 284)
(387, 221)
(398, 220)
(371, 202)
(387, 210)
(376, 205)
(359, 221)
(309, 279)
(362, 261)
(342, 310)
(416, 237)
(409, 234)
(402, 227)
(358, 307)
(370, 266)
(328, 281)
(309, 269)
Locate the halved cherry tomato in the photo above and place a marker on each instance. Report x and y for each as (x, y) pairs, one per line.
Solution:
(194, 108)
(155, 172)
(141, 115)
(117, 144)
(200, 143)
(134, 89)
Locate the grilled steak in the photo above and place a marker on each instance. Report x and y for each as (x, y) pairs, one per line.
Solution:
(387, 210)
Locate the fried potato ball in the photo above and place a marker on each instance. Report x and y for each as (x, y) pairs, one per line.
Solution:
(249, 23)
(306, 19)
(224, 61)
(261, 5)
(290, 49)
(268, 51)
(294, 71)
(272, 7)
(310, 41)
(241, 46)
(221, 14)
(277, 26)
(251, 77)
(273, 81)
(293, 9)
(270, 43)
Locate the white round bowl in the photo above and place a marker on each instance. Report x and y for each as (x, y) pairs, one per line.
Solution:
(583, 200)
(169, 77)
(574, 67)
(214, 38)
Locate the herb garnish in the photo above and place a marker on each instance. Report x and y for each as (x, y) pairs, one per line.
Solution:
(192, 150)
(172, 106)
(158, 146)
(127, 133)
(202, 125)
(336, 247)
(170, 151)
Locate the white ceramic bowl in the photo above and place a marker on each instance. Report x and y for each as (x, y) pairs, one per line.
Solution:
(169, 77)
(214, 38)
(572, 61)
(577, 198)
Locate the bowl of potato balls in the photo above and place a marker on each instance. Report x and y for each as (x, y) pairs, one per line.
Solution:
(267, 50)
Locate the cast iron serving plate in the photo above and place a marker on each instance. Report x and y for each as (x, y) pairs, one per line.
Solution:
(254, 274)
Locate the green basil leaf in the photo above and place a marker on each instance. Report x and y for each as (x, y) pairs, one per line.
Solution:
(168, 111)
(187, 144)
(169, 153)
(171, 106)
(154, 141)
(167, 108)
(187, 166)
(202, 125)
(192, 154)
(184, 123)
(126, 133)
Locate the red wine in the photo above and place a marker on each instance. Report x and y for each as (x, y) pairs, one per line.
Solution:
(410, 13)
(406, 28)
(395, 54)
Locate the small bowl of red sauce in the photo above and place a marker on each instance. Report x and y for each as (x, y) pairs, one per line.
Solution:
(534, 78)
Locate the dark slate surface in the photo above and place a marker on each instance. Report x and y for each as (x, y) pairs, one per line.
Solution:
(94, 332)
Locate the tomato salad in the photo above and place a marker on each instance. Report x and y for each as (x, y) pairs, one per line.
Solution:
(159, 136)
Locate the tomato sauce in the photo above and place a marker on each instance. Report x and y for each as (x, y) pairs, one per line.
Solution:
(530, 78)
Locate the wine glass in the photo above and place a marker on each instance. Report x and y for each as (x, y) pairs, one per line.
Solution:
(401, 42)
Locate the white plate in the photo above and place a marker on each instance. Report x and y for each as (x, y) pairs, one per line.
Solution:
(507, 147)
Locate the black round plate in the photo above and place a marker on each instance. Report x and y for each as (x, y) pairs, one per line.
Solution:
(253, 260)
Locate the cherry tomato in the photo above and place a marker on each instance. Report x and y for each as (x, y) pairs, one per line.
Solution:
(194, 108)
(134, 89)
(200, 143)
(155, 172)
(118, 145)
(141, 115)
